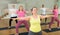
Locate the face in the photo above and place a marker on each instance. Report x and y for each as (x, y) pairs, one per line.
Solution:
(13, 6)
(56, 6)
(34, 10)
(21, 7)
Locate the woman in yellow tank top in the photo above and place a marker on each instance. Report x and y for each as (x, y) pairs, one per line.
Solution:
(35, 27)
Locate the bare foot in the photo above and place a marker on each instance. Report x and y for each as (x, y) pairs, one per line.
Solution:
(16, 34)
(58, 27)
(9, 27)
(49, 29)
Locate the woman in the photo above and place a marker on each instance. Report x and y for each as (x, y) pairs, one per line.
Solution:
(34, 19)
(21, 13)
(12, 14)
(55, 18)
(43, 9)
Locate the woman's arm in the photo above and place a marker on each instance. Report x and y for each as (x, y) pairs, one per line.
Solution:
(47, 16)
(27, 18)
(49, 10)
(24, 18)
(42, 17)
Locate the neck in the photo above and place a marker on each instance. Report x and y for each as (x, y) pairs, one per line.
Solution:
(21, 10)
(56, 8)
(34, 14)
(42, 7)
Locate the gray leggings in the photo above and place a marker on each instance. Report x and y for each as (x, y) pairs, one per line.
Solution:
(33, 33)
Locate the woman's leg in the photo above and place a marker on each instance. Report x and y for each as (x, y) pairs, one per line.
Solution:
(17, 25)
(40, 33)
(16, 20)
(10, 23)
(58, 22)
(45, 20)
(31, 33)
(52, 21)
(26, 24)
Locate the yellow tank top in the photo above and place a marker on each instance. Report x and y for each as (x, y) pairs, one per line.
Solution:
(35, 24)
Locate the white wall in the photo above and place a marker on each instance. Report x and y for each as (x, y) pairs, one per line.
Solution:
(37, 3)
(28, 4)
(4, 5)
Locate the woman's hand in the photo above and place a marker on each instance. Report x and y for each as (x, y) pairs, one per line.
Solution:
(47, 16)
(50, 15)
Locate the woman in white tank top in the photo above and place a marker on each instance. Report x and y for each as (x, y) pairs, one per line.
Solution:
(43, 11)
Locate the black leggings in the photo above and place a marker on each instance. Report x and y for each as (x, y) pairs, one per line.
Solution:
(33, 33)
(45, 20)
(12, 20)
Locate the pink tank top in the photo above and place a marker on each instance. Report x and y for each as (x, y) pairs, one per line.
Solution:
(21, 13)
(55, 12)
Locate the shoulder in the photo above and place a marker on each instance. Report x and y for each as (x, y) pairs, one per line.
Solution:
(17, 10)
(9, 9)
(44, 8)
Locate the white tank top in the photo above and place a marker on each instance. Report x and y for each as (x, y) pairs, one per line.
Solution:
(12, 12)
(43, 10)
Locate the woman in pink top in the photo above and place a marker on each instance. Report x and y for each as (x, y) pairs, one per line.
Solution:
(55, 18)
(21, 13)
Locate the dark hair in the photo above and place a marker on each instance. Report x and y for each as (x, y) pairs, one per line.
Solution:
(42, 5)
(19, 7)
(33, 7)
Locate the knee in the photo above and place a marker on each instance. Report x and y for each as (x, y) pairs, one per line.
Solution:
(16, 26)
(25, 21)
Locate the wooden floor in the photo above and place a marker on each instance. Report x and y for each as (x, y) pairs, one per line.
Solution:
(5, 22)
